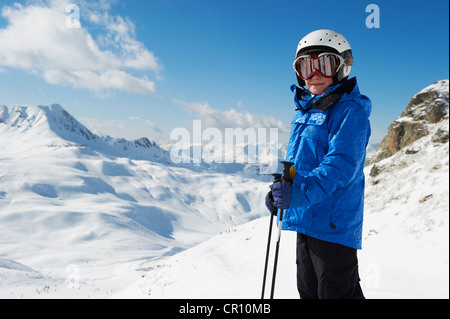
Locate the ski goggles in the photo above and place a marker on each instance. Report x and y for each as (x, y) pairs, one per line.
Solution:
(324, 64)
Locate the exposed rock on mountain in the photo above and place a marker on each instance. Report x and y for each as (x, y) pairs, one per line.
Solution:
(426, 113)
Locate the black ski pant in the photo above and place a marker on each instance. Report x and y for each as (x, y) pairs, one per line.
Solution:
(326, 270)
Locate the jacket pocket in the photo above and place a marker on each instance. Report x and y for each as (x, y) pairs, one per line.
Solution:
(314, 127)
(323, 220)
(309, 140)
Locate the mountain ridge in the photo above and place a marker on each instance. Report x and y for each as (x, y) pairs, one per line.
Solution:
(55, 122)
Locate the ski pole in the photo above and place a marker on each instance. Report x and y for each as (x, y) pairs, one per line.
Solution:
(285, 179)
(276, 177)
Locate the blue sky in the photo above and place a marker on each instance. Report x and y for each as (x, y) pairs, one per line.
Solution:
(143, 68)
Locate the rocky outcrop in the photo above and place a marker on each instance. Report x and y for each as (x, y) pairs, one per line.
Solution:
(426, 108)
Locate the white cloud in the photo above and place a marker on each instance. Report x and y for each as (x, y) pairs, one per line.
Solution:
(37, 39)
(230, 118)
(131, 128)
(152, 125)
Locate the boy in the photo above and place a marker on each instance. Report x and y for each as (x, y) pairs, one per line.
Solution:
(329, 136)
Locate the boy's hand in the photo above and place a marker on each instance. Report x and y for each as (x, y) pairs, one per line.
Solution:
(270, 204)
(281, 193)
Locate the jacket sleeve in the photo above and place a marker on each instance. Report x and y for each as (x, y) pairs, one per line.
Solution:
(347, 142)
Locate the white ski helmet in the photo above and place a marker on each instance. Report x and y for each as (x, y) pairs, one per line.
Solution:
(327, 41)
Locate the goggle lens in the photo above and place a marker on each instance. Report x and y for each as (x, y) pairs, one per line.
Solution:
(325, 64)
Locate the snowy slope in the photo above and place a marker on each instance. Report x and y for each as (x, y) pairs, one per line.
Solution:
(73, 204)
(405, 247)
(90, 217)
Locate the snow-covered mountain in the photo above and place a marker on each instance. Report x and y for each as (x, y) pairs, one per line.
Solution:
(55, 127)
(82, 217)
(70, 199)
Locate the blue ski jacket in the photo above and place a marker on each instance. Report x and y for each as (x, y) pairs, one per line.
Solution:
(328, 141)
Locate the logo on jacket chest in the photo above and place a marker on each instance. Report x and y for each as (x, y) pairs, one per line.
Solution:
(312, 118)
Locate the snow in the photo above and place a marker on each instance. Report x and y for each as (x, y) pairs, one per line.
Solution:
(85, 217)
(439, 87)
(77, 205)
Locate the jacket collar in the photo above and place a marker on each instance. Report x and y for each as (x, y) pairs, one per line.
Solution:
(306, 101)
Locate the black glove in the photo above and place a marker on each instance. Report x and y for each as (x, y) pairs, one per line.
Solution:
(270, 204)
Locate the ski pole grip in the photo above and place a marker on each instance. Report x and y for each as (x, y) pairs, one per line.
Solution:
(286, 177)
(276, 178)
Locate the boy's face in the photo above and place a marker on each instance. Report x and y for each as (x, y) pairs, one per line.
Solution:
(317, 84)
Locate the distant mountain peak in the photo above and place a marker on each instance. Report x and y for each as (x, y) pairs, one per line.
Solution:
(65, 125)
(54, 120)
(54, 116)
